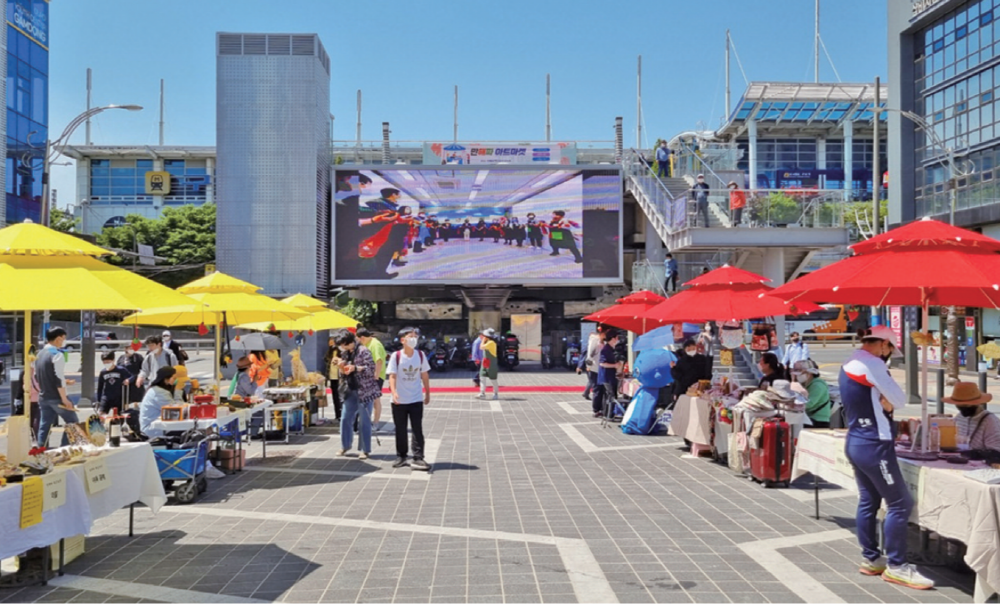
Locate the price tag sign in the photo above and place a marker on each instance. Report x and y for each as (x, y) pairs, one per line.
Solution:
(55, 491)
(32, 497)
(98, 478)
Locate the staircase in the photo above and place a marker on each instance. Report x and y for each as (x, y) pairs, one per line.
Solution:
(740, 370)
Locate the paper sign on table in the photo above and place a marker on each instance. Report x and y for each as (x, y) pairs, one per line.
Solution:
(32, 496)
(55, 491)
(98, 478)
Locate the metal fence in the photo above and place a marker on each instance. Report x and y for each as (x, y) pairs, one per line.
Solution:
(782, 207)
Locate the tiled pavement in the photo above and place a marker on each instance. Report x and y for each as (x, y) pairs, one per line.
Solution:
(526, 503)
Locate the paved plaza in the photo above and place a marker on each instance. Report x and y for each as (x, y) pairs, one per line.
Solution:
(530, 500)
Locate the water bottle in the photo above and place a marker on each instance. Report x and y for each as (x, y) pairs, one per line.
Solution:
(935, 438)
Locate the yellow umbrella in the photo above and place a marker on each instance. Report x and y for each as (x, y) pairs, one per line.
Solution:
(32, 239)
(224, 299)
(320, 317)
(41, 268)
(78, 282)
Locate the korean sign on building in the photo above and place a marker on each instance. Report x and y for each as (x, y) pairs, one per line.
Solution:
(31, 18)
(499, 153)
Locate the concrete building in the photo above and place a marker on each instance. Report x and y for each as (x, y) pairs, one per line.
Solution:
(273, 168)
(111, 181)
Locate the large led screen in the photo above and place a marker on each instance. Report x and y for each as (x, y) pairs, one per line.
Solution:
(467, 225)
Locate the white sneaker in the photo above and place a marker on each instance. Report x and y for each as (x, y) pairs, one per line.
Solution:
(872, 568)
(907, 576)
(482, 395)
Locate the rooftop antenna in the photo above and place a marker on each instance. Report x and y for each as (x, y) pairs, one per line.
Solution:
(548, 107)
(816, 42)
(161, 112)
(728, 94)
(357, 146)
(455, 136)
(638, 107)
(89, 88)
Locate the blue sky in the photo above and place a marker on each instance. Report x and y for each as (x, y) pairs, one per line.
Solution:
(406, 57)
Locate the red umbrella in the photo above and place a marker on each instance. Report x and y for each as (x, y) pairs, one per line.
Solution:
(643, 296)
(627, 316)
(725, 294)
(923, 263)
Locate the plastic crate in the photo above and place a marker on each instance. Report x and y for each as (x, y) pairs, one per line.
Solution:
(182, 464)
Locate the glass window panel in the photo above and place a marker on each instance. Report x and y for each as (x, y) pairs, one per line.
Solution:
(39, 97)
(145, 164)
(123, 172)
(123, 190)
(100, 190)
(117, 181)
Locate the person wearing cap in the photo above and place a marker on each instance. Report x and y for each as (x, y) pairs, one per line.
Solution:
(806, 374)
(159, 394)
(869, 396)
(977, 427)
(737, 202)
(700, 193)
(174, 346)
(490, 367)
(242, 385)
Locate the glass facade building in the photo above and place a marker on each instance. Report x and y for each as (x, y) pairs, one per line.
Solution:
(947, 59)
(27, 107)
(115, 181)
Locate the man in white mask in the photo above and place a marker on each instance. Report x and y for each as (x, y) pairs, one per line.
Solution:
(410, 385)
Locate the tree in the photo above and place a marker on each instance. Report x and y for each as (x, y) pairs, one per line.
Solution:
(64, 221)
(185, 236)
(361, 310)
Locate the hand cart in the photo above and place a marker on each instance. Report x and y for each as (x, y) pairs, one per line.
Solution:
(187, 465)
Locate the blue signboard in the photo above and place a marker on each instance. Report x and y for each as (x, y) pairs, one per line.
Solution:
(31, 18)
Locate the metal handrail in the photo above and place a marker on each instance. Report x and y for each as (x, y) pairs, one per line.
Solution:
(650, 279)
(703, 163)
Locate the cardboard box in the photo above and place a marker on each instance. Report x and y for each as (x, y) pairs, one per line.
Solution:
(73, 547)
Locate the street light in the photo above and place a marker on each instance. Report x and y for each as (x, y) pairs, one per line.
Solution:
(53, 149)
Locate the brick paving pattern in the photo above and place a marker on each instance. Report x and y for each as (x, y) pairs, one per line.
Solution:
(529, 501)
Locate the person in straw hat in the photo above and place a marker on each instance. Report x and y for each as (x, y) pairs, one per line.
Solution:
(977, 426)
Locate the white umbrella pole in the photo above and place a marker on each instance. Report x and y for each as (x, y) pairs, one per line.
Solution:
(26, 373)
(215, 365)
(924, 427)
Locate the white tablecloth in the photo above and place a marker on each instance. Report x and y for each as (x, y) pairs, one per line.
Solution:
(946, 502)
(134, 478)
(71, 519)
(243, 415)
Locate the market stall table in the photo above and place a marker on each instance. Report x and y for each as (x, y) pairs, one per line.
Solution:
(131, 475)
(691, 420)
(945, 501)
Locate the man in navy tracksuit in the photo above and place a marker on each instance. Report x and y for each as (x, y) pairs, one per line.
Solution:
(869, 395)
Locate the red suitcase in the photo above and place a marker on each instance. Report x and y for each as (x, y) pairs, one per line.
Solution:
(771, 461)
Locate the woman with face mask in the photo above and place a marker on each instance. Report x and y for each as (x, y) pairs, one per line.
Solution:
(159, 394)
(358, 390)
(690, 368)
(869, 395)
(976, 426)
(806, 374)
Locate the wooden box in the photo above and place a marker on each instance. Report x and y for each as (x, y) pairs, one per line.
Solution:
(172, 413)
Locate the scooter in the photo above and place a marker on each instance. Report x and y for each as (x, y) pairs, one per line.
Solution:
(511, 352)
(439, 361)
(546, 357)
(572, 354)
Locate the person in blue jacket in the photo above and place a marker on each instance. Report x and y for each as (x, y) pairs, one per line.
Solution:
(869, 396)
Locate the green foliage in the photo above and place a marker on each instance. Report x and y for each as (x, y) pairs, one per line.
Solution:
(361, 310)
(780, 208)
(185, 236)
(61, 220)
